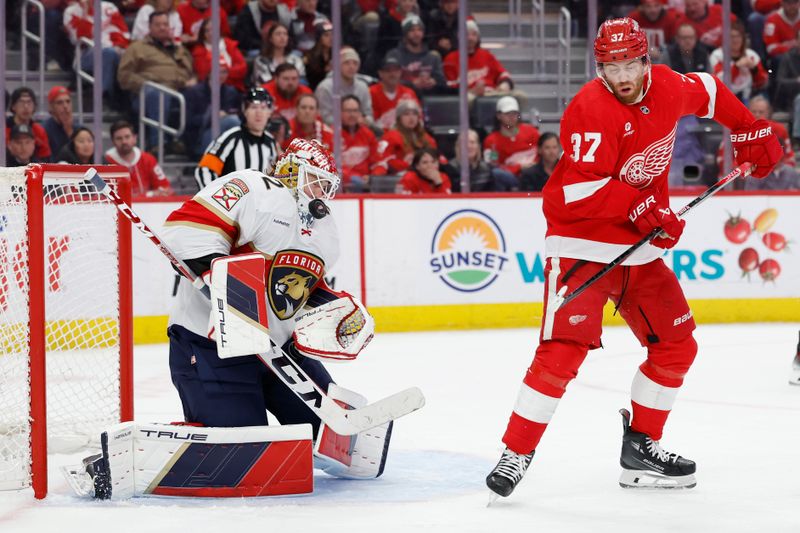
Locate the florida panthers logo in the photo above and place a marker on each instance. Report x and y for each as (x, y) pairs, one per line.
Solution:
(293, 274)
(640, 169)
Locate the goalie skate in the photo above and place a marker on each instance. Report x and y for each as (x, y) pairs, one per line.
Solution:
(646, 465)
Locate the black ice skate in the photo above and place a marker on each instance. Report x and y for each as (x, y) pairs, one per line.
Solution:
(646, 465)
(508, 473)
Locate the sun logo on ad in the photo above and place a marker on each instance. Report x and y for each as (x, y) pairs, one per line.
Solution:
(468, 250)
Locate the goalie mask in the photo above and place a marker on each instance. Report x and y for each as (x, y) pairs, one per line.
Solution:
(309, 171)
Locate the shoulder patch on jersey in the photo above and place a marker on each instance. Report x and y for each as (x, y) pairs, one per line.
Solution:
(292, 276)
(230, 193)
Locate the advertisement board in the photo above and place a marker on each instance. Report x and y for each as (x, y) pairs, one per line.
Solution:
(464, 262)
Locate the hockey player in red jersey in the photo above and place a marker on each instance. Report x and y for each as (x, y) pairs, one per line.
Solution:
(608, 191)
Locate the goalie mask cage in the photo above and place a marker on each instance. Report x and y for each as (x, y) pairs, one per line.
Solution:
(65, 316)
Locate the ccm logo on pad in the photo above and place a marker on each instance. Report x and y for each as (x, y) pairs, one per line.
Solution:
(751, 135)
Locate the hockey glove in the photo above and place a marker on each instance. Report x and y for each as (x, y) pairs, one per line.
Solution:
(650, 211)
(335, 331)
(757, 145)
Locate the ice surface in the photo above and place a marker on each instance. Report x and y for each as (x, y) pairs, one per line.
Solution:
(736, 416)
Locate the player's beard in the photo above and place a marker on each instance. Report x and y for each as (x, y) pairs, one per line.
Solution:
(628, 97)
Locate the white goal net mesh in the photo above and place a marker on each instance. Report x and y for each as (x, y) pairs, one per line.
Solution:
(82, 319)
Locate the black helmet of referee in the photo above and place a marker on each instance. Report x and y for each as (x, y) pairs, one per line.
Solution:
(256, 94)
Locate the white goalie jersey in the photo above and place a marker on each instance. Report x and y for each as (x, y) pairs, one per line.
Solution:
(245, 212)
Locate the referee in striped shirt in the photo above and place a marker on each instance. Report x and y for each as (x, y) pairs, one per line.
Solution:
(246, 146)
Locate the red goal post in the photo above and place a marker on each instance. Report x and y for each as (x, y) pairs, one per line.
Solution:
(66, 342)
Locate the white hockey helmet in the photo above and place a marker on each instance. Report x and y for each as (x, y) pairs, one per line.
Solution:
(308, 169)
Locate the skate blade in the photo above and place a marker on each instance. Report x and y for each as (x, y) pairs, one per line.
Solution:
(493, 497)
(645, 479)
(795, 378)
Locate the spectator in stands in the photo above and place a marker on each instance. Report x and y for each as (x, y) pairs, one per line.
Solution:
(60, 124)
(22, 105)
(274, 52)
(21, 146)
(747, 72)
(232, 67)
(512, 145)
(706, 18)
(781, 27)
(147, 178)
(350, 62)
(359, 147)
(141, 26)
(388, 93)
(424, 176)
(485, 74)
(158, 58)
(685, 54)
(659, 23)
(787, 93)
(482, 177)
(302, 25)
(79, 22)
(443, 27)
(755, 23)
(286, 90)
(318, 59)
(80, 148)
(390, 31)
(422, 69)
(58, 52)
(307, 125)
(193, 13)
(397, 146)
(549, 151)
(762, 110)
(255, 20)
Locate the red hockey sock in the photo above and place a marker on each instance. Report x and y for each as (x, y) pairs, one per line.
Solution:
(648, 421)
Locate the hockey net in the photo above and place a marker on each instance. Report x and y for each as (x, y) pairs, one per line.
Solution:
(65, 316)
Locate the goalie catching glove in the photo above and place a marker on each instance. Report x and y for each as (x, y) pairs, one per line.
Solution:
(335, 331)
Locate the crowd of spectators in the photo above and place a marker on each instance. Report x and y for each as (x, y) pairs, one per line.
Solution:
(396, 55)
(764, 73)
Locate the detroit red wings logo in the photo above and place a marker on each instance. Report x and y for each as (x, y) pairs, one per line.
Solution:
(640, 169)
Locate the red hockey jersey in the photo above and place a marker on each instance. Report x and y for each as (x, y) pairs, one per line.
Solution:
(413, 183)
(394, 156)
(384, 108)
(512, 153)
(661, 31)
(613, 151)
(780, 33)
(146, 173)
(192, 18)
(322, 133)
(359, 153)
(481, 66)
(286, 107)
(708, 28)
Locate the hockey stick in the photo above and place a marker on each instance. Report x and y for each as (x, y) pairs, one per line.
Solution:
(340, 420)
(560, 298)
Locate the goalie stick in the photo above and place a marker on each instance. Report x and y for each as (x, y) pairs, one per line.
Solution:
(340, 420)
(560, 298)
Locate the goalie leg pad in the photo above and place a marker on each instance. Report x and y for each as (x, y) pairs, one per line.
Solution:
(166, 460)
(360, 456)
